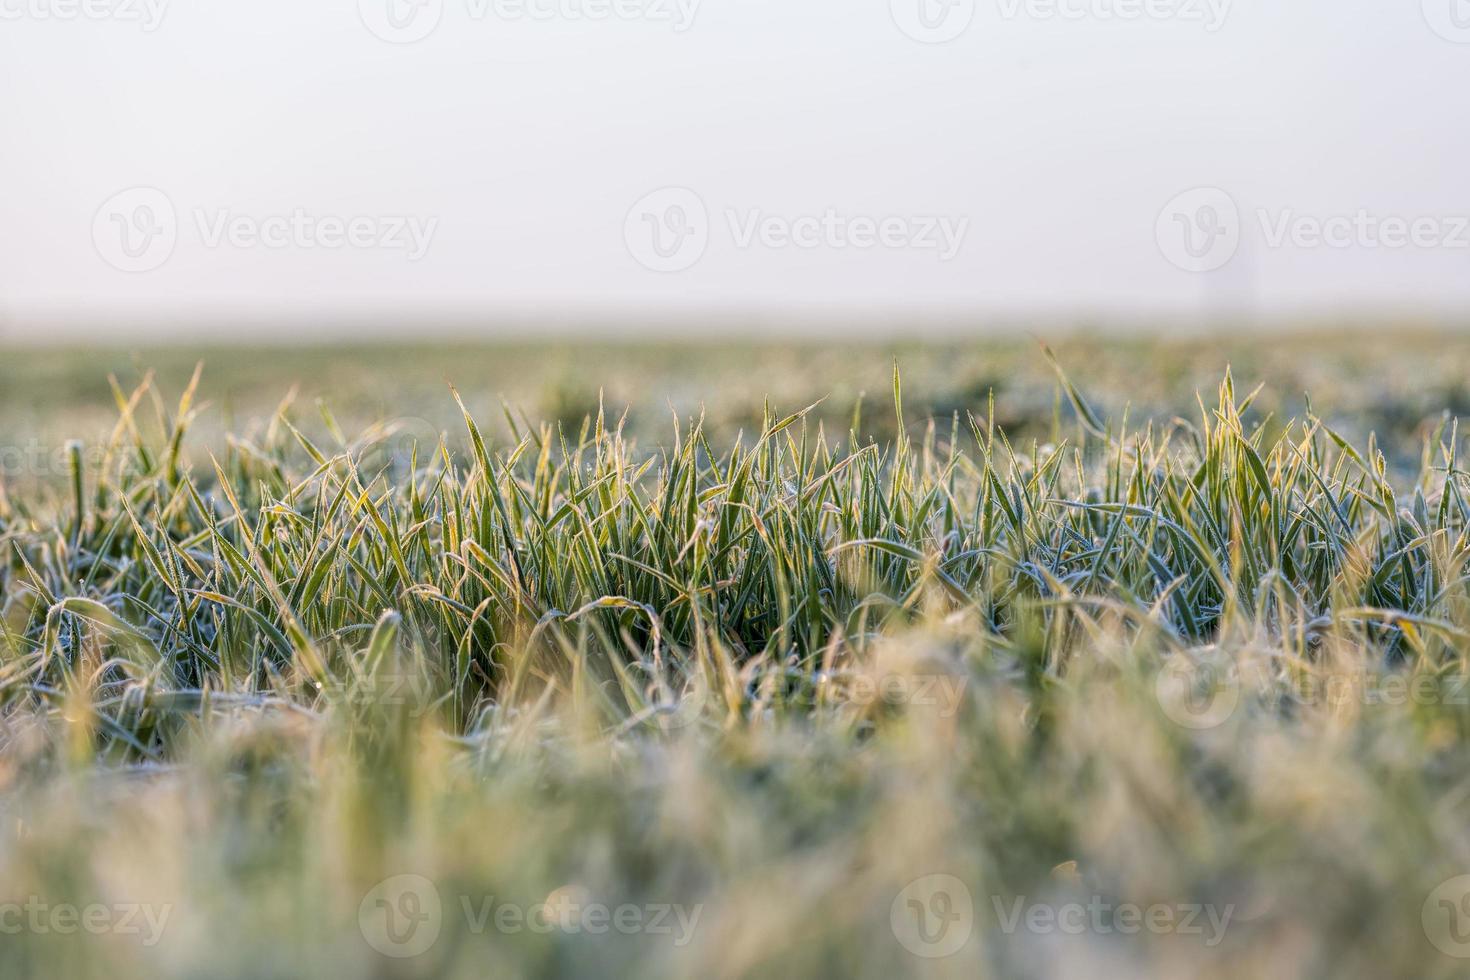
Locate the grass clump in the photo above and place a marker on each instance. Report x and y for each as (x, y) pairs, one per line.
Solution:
(822, 703)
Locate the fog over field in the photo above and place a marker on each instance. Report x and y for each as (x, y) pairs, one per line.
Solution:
(188, 167)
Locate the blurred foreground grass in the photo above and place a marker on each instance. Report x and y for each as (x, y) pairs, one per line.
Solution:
(1020, 692)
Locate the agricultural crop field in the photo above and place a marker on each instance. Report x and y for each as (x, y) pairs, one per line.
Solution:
(1113, 657)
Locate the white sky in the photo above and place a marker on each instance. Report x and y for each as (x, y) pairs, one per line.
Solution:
(1058, 139)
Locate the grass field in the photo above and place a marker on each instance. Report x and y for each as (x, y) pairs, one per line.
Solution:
(857, 660)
